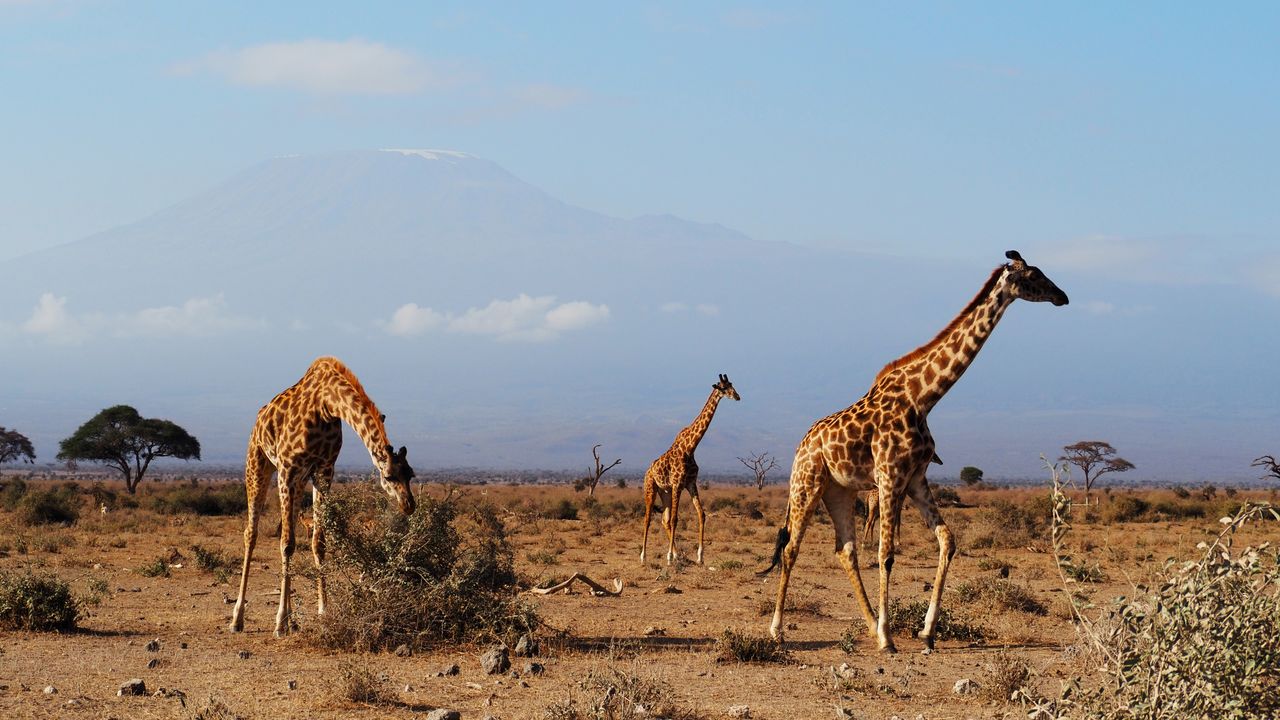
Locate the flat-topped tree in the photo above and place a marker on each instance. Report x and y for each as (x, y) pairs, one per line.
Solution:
(1095, 458)
(1268, 463)
(123, 439)
(15, 446)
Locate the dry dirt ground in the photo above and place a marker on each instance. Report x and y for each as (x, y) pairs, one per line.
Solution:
(259, 676)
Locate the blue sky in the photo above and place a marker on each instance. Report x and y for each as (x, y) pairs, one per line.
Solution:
(932, 129)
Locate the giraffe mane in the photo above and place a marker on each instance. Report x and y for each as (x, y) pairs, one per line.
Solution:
(341, 370)
(923, 349)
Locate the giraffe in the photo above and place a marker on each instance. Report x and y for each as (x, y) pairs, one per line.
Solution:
(298, 435)
(675, 470)
(882, 442)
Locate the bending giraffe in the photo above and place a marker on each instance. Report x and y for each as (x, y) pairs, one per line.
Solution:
(882, 442)
(675, 470)
(298, 435)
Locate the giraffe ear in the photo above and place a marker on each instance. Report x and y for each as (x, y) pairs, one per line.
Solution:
(391, 450)
(1016, 257)
(382, 417)
(403, 452)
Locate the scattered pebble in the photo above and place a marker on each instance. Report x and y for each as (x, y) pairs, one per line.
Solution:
(50, 690)
(740, 711)
(153, 646)
(965, 686)
(244, 654)
(132, 687)
(448, 670)
(444, 714)
(495, 660)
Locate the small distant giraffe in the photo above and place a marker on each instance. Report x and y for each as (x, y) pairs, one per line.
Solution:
(675, 470)
(883, 442)
(298, 435)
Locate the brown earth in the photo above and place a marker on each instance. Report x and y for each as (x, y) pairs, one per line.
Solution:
(188, 613)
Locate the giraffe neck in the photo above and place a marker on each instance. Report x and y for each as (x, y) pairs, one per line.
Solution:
(344, 398)
(688, 439)
(926, 374)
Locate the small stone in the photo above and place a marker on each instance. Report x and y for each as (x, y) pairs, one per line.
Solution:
(153, 646)
(740, 711)
(71, 703)
(444, 714)
(448, 670)
(495, 661)
(844, 714)
(97, 566)
(408, 688)
(403, 651)
(182, 645)
(526, 647)
(292, 684)
(653, 631)
(50, 690)
(153, 663)
(132, 687)
(533, 668)
(244, 654)
(965, 687)
(524, 684)
(672, 590)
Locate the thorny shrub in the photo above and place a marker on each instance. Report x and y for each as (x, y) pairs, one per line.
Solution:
(734, 646)
(440, 575)
(612, 693)
(1200, 641)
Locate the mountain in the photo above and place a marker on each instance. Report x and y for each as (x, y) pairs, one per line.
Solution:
(498, 326)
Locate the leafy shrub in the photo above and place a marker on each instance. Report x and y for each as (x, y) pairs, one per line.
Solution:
(1181, 492)
(734, 646)
(36, 602)
(1199, 642)
(1005, 524)
(226, 499)
(11, 492)
(156, 568)
(47, 507)
(945, 496)
(1127, 508)
(723, 502)
(908, 620)
(1004, 675)
(989, 592)
(563, 510)
(419, 580)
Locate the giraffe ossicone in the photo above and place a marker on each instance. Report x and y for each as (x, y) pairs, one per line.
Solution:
(882, 443)
(675, 471)
(298, 436)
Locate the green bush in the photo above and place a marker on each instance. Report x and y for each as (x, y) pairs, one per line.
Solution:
(908, 620)
(1127, 508)
(156, 568)
(11, 493)
(48, 507)
(36, 602)
(563, 510)
(441, 575)
(988, 592)
(734, 646)
(1004, 524)
(227, 499)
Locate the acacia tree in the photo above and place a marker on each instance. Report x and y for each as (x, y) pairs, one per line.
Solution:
(593, 476)
(970, 475)
(123, 439)
(1268, 463)
(15, 446)
(759, 465)
(1095, 458)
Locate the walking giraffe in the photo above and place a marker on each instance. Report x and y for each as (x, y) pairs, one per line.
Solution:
(675, 470)
(882, 442)
(298, 435)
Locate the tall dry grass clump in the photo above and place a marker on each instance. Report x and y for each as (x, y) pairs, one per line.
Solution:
(1200, 641)
(441, 575)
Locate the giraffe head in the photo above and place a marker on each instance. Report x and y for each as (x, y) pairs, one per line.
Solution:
(1028, 283)
(396, 482)
(725, 388)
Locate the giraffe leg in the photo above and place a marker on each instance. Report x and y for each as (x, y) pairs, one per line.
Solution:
(257, 480)
(672, 519)
(702, 518)
(806, 488)
(319, 487)
(290, 485)
(840, 504)
(890, 507)
(649, 497)
(873, 517)
(922, 498)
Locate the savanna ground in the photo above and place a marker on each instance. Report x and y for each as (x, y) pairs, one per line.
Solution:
(139, 579)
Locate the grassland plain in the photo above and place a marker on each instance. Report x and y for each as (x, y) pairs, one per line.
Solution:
(661, 634)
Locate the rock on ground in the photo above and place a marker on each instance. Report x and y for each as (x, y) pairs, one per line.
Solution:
(495, 660)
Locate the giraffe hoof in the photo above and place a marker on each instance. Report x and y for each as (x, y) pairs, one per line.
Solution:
(889, 649)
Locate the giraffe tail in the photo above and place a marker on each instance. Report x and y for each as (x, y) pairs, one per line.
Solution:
(784, 537)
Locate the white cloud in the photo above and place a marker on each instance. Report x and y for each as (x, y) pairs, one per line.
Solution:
(548, 96)
(51, 320)
(1096, 252)
(323, 67)
(523, 318)
(197, 317)
(704, 309)
(674, 307)
(575, 315)
(708, 310)
(1099, 307)
(410, 319)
